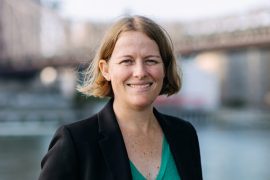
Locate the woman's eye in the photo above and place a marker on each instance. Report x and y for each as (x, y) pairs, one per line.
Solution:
(126, 62)
(151, 62)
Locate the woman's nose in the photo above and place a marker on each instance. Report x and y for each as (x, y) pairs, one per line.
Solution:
(140, 70)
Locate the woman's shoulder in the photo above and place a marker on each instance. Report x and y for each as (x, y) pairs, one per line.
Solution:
(81, 130)
(86, 123)
(177, 122)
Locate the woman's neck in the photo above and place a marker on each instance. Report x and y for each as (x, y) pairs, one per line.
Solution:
(135, 120)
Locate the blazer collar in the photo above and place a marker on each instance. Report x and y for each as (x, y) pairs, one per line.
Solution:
(112, 143)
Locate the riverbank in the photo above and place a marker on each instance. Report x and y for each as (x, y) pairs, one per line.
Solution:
(223, 118)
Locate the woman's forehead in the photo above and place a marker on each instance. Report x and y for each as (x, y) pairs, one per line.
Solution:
(136, 41)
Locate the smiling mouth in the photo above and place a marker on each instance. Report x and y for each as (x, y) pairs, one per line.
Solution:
(140, 86)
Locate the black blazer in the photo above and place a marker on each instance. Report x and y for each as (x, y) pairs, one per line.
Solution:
(94, 149)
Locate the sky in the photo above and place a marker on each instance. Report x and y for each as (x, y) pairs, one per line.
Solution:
(179, 10)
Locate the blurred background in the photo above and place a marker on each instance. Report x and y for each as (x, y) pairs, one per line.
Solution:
(222, 47)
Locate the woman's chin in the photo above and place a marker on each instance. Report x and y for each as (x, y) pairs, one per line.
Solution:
(142, 103)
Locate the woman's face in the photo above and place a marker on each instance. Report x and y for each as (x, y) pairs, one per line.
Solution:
(135, 69)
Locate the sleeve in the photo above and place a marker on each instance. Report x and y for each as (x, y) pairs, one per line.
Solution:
(60, 162)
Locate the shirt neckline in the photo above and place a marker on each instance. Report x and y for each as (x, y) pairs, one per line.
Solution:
(163, 163)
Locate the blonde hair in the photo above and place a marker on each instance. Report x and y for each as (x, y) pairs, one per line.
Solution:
(95, 84)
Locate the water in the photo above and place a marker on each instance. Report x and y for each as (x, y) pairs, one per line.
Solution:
(233, 154)
(20, 156)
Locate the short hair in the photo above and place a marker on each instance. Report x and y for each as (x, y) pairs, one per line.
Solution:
(94, 84)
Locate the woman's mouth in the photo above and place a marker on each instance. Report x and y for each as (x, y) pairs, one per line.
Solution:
(140, 85)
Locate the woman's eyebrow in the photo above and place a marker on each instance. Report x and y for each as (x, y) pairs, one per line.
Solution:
(153, 56)
(124, 56)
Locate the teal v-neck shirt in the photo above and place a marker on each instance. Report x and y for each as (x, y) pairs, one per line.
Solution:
(167, 169)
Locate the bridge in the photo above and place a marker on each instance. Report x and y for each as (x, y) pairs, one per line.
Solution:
(232, 32)
(33, 36)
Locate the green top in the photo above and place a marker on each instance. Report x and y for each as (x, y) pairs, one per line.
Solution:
(167, 169)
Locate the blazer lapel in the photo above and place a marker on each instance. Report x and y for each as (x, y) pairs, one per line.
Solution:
(112, 143)
(177, 142)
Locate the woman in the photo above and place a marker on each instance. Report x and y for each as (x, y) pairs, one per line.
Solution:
(128, 138)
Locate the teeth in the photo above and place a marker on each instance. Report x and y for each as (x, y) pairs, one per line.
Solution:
(140, 85)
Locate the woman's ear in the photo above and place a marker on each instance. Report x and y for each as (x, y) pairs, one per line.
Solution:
(104, 68)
